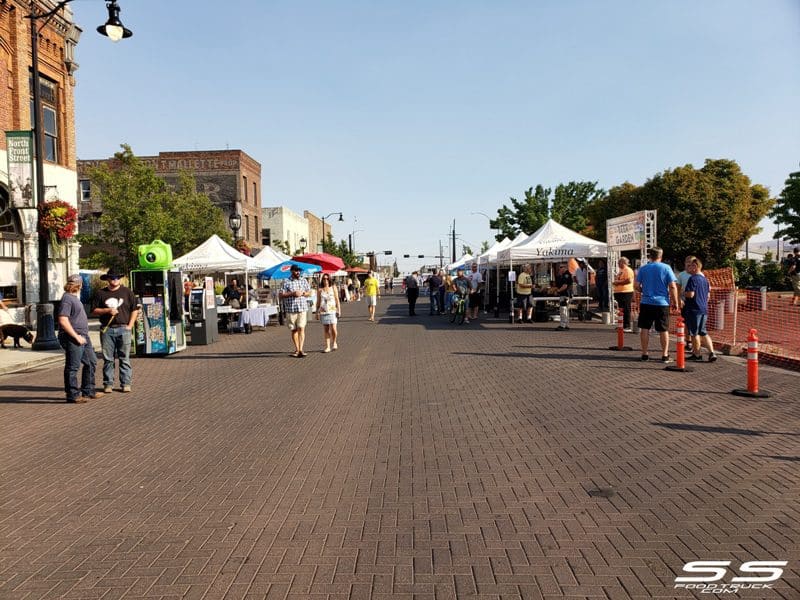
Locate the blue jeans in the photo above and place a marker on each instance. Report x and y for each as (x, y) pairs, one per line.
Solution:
(77, 356)
(116, 343)
(434, 306)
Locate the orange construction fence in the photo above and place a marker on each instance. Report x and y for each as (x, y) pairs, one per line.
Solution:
(733, 312)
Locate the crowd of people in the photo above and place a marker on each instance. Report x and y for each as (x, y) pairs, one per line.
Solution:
(659, 287)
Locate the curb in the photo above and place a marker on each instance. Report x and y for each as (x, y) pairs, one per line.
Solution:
(28, 364)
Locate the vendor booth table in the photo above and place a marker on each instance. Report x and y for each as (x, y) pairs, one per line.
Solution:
(244, 319)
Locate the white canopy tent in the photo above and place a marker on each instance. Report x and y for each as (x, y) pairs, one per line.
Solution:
(459, 263)
(215, 256)
(268, 257)
(552, 242)
(491, 254)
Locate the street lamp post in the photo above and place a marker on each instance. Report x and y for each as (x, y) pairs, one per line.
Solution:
(235, 222)
(115, 31)
(303, 243)
(341, 218)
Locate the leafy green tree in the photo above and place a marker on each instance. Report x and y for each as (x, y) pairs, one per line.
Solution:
(709, 212)
(282, 246)
(568, 206)
(139, 207)
(395, 270)
(484, 247)
(525, 215)
(466, 250)
(342, 250)
(786, 212)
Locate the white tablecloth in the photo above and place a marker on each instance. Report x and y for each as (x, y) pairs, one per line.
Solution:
(256, 316)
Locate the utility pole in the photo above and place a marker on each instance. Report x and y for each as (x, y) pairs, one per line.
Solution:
(441, 256)
(454, 241)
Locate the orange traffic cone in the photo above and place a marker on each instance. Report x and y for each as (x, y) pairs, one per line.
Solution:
(752, 390)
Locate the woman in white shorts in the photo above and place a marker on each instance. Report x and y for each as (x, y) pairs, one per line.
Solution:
(328, 311)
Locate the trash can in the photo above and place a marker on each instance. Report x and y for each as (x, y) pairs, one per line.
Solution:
(757, 297)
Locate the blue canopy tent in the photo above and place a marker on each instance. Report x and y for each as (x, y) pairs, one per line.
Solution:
(283, 270)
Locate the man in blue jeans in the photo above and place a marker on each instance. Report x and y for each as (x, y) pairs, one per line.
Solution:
(73, 335)
(117, 308)
(434, 283)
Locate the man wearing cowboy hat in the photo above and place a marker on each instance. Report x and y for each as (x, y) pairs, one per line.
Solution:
(117, 308)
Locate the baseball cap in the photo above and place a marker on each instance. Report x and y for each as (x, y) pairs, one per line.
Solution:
(295, 268)
(75, 278)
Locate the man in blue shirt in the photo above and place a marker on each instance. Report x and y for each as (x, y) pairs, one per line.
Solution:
(657, 284)
(695, 310)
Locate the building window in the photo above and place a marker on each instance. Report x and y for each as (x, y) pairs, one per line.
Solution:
(49, 96)
(255, 197)
(247, 227)
(266, 239)
(255, 228)
(86, 190)
(244, 186)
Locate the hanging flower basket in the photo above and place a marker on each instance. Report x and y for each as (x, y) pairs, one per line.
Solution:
(242, 246)
(57, 219)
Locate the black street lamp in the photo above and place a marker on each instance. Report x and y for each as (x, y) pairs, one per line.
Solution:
(113, 28)
(341, 218)
(235, 223)
(303, 243)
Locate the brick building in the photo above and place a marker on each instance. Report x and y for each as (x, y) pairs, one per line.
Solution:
(230, 178)
(19, 271)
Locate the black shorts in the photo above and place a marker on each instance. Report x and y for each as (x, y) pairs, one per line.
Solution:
(475, 299)
(651, 314)
(523, 301)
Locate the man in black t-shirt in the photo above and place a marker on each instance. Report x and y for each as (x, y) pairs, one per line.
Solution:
(564, 290)
(563, 281)
(117, 308)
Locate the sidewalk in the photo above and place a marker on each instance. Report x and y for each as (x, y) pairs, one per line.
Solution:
(20, 359)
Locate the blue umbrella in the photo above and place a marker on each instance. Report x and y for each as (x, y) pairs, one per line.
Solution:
(284, 270)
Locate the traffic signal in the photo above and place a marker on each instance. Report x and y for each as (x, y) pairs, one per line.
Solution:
(406, 256)
(387, 252)
(420, 256)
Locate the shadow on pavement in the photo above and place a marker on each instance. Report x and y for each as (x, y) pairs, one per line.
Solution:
(786, 458)
(31, 400)
(597, 357)
(229, 355)
(725, 430)
(29, 388)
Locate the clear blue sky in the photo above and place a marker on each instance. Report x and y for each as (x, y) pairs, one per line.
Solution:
(408, 115)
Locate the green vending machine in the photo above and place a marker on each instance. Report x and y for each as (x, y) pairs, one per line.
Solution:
(159, 291)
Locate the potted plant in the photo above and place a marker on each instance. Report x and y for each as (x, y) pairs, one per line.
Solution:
(58, 220)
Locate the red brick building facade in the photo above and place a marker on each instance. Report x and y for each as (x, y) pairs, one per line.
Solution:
(230, 178)
(19, 270)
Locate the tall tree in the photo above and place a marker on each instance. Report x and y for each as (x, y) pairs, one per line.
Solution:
(786, 211)
(568, 206)
(525, 215)
(709, 212)
(139, 207)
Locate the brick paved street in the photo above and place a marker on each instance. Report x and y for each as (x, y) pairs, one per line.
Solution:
(421, 460)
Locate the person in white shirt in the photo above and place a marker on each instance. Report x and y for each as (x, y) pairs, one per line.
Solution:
(476, 291)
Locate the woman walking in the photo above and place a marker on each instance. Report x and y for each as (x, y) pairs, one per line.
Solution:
(328, 311)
